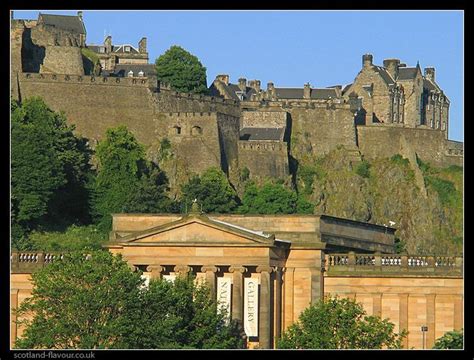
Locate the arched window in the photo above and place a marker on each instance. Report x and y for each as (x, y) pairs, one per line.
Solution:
(196, 130)
(176, 130)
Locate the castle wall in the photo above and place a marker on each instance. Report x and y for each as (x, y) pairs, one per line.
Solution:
(317, 131)
(94, 105)
(378, 141)
(264, 158)
(194, 138)
(63, 60)
(264, 119)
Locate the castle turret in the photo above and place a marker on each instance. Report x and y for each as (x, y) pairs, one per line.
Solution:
(243, 84)
(367, 60)
(307, 91)
(430, 73)
(392, 66)
(142, 45)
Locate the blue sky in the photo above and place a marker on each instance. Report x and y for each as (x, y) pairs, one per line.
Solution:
(290, 48)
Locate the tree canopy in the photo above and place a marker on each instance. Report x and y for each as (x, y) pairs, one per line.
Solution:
(339, 323)
(272, 199)
(96, 301)
(212, 190)
(49, 170)
(126, 181)
(182, 70)
(450, 340)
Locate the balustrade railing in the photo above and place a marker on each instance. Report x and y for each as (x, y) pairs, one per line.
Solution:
(29, 261)
(391, 262)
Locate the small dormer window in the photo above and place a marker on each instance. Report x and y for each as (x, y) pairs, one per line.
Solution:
(102, 49)
(141, 73)
(130, 73)
(127, 48)
(240, 95)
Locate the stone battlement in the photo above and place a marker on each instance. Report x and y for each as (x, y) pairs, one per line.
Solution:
(379, 265)
(259, 145)
(83, 79)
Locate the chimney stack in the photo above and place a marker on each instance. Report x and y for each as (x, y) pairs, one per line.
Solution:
(430, 73)
(367, 60)
(307, 91)
(255, 84)
(108, 44)
(142, 45)
(224, 78)
(243, 84)
(392, 66)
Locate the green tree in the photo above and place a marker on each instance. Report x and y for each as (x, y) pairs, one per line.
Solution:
(450, 340)
(182, 70)
(180, 314)
(212, 190)
(80, 302)
(126, 181)
(49, 170)
(270, 199)
(73, 238)
(335, 323)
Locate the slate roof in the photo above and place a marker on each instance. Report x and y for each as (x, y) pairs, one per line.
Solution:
(64, 22)
(427, 84)
(406, 73)
(122, 70)
(385, 75)
(297, 93)
(262, 133)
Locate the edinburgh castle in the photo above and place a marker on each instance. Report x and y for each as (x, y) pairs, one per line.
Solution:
(387, 110)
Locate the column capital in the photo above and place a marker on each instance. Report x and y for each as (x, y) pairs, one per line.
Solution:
(212, 268)
(182, 269)
(155, 268)
(132, 267)
(237, 268)
(264, 268)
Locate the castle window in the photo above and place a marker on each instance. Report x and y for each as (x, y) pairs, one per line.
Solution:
(196, 130)
(101, 50)
(176, 130)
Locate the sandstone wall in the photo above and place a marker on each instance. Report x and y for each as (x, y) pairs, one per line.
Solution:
(264, 158)
(409, 302)
(376, 141)
(264, 119)
(62, 60)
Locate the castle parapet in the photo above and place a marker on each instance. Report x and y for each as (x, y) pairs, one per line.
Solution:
(84, 79)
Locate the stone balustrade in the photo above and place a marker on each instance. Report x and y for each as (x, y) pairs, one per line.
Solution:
(375, 264)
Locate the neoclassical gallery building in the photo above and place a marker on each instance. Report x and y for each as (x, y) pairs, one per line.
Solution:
(266, 269)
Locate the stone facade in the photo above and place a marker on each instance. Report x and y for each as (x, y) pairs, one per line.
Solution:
(291, 259)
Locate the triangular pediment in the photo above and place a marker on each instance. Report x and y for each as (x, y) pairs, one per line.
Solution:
(198, 230)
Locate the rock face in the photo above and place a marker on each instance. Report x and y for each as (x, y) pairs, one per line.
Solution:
(391, 193)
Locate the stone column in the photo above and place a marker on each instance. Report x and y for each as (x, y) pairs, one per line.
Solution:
(237, 292)
(155, 270)
(278, 301)
(182, 270)
(210, 271)
(265, 325)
